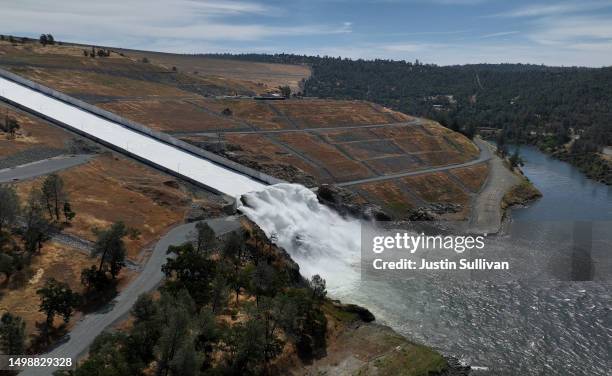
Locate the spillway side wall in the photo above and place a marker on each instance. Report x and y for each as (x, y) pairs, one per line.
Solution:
(265, 178)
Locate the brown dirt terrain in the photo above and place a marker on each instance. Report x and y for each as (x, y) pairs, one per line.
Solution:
(438, 187)
(112, 188)
(260, 148)
(393, 197)
(329, 158)
(55, 261)
(82, 83)
(321, 113)
(152, 93)
(257, 113)
(32, 134)
(170, 115)
(473, 177)
(262, 75)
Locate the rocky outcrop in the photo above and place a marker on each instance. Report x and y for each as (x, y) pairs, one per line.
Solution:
(363, 313)
(345, 202)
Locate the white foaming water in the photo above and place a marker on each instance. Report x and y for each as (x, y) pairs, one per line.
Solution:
(317, 238)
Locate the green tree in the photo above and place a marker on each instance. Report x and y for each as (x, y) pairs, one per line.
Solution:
(190, 270)
(219, 289)
(515, 159)
(502, 148)
(107, 357)
(246, 348)
(208, 336)
(254, 343)
(93, 279)
(285, 91)
(111, 248)
(69, 214)
(146, 330)
(54, 195)
(7, 265)
(12, 334)
(317, 285)
(233, 251)
(37, 228)
(205, 237)
(176, 334)
(56, 298)
(264, 281)
(10, 126)
(9, 207)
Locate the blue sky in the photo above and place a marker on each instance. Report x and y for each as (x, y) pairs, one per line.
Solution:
(444, 32)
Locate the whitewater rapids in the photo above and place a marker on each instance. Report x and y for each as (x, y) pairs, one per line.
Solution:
(317, 238)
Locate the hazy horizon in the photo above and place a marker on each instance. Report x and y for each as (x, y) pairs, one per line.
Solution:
(442, 32)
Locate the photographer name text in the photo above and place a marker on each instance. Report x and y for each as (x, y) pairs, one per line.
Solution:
(445, 264)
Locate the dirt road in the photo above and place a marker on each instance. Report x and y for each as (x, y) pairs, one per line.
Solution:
(486, 209)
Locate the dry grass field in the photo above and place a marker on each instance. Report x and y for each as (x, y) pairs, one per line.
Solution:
(390, 195)
(330, 159)
(263, 75)
(171, 115)
(111, 188)
(299, 140)
(438, 187)
(33, 133)
(55, 261)
(320, 113)
(473, 176)
(258, 114)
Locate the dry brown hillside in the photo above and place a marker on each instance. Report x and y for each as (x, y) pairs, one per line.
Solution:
(366, 147)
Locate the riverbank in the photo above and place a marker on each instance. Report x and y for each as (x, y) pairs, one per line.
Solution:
(359, 346)
(592, 163)
(520, 195)
(487, 211)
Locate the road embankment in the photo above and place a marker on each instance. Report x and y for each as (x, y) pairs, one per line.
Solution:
(487, 210)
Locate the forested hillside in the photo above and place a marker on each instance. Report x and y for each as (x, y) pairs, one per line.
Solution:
(547, 106)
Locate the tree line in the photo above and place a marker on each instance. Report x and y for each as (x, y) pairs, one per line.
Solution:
(24, 229)
(541, 105)
(227, 307)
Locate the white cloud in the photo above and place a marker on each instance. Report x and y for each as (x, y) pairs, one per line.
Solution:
(564, 30)
(539, 10)
(143, 22)
(499, 34)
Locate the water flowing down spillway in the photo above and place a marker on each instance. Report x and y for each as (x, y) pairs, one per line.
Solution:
(147, 148)
(554, 328)
(317, 238)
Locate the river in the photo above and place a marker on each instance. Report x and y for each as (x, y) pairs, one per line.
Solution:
(517, 328)
(556, 324)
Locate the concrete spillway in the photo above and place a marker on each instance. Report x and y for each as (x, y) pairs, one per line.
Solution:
(169, 157)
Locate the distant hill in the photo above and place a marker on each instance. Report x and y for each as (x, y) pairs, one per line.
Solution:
(548, 106)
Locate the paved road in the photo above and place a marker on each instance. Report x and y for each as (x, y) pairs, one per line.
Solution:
(486, 209)
(485, 155)
(417, 121)
(43, 167)
(88, 328)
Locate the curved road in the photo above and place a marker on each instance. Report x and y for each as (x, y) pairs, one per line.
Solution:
(88, 328)
(43, 167)
(487, 213)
